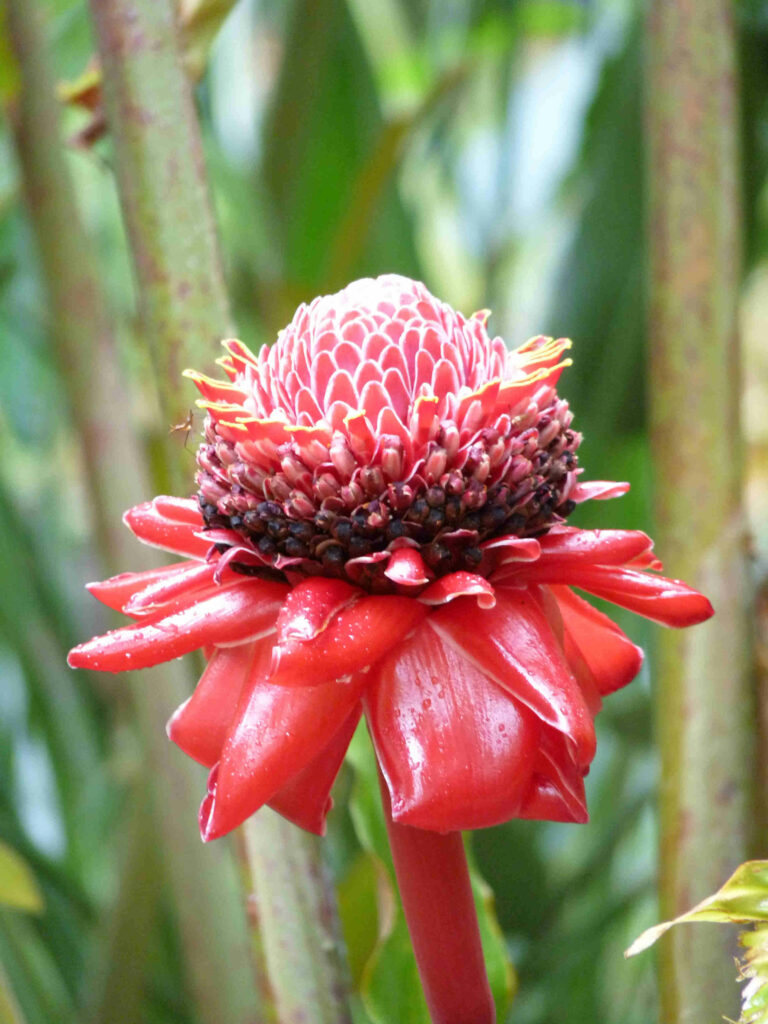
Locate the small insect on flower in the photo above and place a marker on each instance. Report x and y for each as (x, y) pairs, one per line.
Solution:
(381, 528)
(186, 425)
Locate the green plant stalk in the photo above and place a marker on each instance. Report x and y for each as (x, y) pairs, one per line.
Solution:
(160, 169)
(81, 327)
(185, 311)
(294, 904)
(704, 688)
(761, 671)
(219, 972)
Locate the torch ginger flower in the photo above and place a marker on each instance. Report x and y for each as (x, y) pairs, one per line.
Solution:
(380, 529)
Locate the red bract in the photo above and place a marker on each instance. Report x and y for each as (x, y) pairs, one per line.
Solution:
(381, 529)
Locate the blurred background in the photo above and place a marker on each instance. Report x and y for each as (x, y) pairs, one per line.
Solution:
(494, 150)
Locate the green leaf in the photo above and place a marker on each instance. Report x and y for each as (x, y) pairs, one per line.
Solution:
(322, 132)
(391, 986)
(743, 899)
(18, 887)
(9, 1010)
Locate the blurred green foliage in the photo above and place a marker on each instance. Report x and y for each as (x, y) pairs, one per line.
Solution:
(493, 149)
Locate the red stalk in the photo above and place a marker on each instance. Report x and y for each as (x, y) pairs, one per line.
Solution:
(434, 885)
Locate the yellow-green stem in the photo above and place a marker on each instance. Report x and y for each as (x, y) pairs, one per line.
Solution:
(703, 679)
(160, 170)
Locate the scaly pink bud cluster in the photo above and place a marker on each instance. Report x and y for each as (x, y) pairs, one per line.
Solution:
(382, 420)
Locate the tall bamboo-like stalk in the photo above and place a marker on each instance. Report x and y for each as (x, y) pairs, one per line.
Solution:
(163, 189)
(703, 685)
(115, 474)
(185, 311)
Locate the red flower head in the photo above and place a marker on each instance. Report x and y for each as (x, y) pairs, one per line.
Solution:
(380, 528)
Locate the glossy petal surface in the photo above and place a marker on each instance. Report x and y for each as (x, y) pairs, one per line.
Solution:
(670, 602)
(118, 590)
(231, 616)
(514, 645)
(170, 524)
(460, 584)
(612, 657)
(355, 638)
(306, 799)
(593, 547)
(457, 752)
(201, 724)
(277, 731)
(310, 606)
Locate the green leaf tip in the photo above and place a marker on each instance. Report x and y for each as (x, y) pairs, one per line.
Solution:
(743, 899)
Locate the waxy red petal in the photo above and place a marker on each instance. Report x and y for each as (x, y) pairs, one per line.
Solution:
(545, 802)
(459, 584)
(310, 606)
(555, 763)
(599, 490)
(513, 549)
(596, 547)
(514, 645)
(277, 732)
(612, 657)
(578, 666)
(306, 799)
(456, 751)
(200, 726)
(406, 567)
(118, 590)
(356, 638)
(170, 524)
(670, 602)
(234, 614)
(194, 578)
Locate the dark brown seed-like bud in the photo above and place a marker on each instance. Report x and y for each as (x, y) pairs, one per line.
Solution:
(295, 549)
(435, 497)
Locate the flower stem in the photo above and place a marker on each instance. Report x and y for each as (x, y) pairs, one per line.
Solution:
(436, 893)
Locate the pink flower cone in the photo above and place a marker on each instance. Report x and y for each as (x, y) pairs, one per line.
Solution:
(381, 529)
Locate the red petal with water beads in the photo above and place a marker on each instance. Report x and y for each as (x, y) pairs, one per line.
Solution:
(513, 549)
(356, 637)
(406, 567)
(118, 590)
(306, 799)
(459, 584)
(569, 546)
(170, 524)
(193, 578)
(310, 606)
(200, 726)
(232, 615)
(514, 645)
(277, 731)
(670, 602)
(612, 657)
(457, 751)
